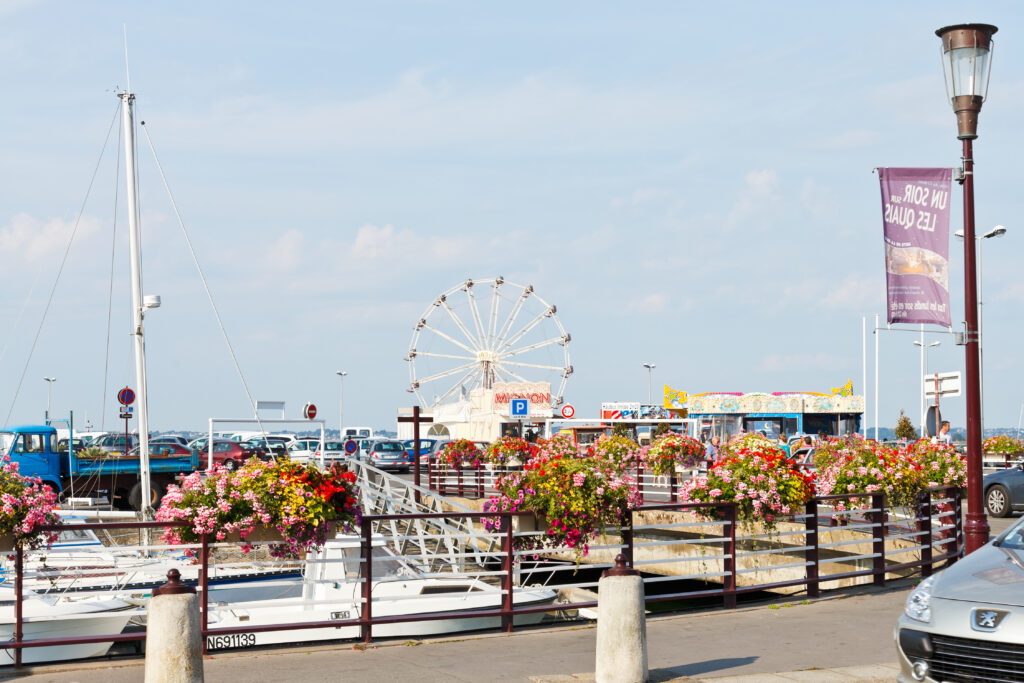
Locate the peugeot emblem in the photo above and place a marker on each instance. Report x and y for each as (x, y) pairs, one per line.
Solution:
(987, 619)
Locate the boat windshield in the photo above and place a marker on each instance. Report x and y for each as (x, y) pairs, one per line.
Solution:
(6, 441)
(386, 565)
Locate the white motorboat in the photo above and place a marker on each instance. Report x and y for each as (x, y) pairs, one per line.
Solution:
(332, 591)
(78, 562)
(53, 617)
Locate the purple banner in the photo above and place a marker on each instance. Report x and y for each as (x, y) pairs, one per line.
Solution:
(915, 213)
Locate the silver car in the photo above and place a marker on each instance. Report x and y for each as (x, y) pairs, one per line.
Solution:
(966, 623)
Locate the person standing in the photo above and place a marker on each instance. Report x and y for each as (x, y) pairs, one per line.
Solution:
(943, 437)
(711, 450)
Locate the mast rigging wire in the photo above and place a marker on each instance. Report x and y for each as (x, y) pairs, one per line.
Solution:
(63, 262)
(202, 277)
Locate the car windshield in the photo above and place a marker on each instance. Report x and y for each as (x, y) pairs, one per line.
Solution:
(388, 446)
(6, 439)
(1013, 537)
(334, 446)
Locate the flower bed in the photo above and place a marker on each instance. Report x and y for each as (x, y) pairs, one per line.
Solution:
(26, 503)
(577, 498)
(298, 500)
(459, 452)
(853, 465)
(756, 475)
(669, 450)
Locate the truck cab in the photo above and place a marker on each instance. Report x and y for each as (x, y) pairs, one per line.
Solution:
(35, 450)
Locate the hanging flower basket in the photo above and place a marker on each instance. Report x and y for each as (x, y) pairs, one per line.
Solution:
(671, 450)
(573, 499)
(25, 504)
(285, 503)
(460, 453)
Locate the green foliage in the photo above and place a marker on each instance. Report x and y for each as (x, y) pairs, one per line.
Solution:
(622, 429)
(662, 428)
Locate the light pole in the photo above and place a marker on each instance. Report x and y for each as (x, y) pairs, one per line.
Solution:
(997, 231)
(49, 385)
(966, 65)
(650, 382)
(341, 403)
(924, 373)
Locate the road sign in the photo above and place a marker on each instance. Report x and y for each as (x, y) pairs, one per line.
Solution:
(519, 407)
(568, 411)
(309, 412)
(126, 412)
(942, 384)
(126, 397)
(351, 447)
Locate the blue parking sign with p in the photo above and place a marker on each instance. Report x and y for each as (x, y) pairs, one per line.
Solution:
(520, 407)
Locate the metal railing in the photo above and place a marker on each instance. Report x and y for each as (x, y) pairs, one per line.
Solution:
(673, 544)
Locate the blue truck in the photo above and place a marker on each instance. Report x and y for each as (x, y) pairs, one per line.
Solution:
(113, 476)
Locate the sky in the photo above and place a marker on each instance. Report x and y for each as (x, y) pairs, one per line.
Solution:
(690, 184)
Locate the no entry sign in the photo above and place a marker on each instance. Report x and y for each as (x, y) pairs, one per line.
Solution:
(126, 397)
(309, 412)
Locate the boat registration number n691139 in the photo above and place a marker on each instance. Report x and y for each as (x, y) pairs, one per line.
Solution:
(230, 640)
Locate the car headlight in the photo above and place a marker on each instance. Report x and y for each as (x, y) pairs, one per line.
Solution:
(919, 602)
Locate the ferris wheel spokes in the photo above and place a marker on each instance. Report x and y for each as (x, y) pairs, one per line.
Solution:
(442, 334)
(476, 314)
(446, 373)
(458, 322)
(533, 365)
(514, 313)
(531, 347)
(468, 377)
(413, 353)
(503, 369)
(548, 312)
(492, 317)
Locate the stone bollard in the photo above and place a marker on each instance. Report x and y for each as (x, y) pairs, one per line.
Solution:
(174, 643)
(621, 626)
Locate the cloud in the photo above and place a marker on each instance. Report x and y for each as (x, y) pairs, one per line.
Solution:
(33, 239)
(818, 200)
(652, 303)
(421, 111)
(801, 362)
(851, 139)
(758, 201)
(643, 195)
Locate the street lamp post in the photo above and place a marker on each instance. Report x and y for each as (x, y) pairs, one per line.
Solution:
(924, 373)
(997, 231)
(341, 403)
(49, 385)
(650, 382)
(966, 63)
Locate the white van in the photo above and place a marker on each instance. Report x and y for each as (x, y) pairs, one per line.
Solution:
(357, 433)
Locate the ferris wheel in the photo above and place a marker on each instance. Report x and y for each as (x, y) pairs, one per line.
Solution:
(482, 332)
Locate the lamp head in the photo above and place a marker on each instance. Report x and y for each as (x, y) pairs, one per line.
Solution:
(967, 64)
(996, 231)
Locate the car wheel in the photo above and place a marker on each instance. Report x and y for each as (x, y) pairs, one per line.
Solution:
(997, 501)
(231, 465)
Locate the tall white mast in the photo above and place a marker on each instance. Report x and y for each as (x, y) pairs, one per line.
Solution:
(138, 311)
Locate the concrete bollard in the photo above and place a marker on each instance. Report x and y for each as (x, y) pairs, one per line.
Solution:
(174, 643)
(621, 626)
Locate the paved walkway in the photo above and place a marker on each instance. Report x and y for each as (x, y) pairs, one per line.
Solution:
(845, 637)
